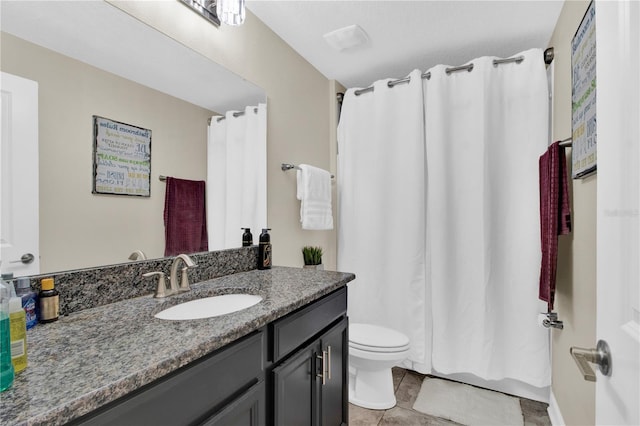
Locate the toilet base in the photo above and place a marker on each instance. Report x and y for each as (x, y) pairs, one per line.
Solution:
(371, 389)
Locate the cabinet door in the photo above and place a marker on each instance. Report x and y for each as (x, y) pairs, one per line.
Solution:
(247, 410)
(334, 392)
(294, 394)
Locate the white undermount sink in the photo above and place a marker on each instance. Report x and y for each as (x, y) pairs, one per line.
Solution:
(209, 307)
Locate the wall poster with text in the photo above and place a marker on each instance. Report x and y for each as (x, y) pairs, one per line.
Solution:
(121, 158)
(583, 96)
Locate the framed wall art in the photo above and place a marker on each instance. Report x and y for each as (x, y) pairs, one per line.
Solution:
(121, 158)
(583, 96)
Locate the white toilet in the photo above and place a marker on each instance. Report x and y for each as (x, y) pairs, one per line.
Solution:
(373, 350)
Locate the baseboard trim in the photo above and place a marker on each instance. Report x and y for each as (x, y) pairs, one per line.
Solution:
(554, 411)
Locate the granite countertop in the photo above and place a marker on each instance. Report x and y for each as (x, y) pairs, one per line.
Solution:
(89, 358)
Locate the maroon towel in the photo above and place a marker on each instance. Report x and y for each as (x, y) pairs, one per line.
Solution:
(555, 216)
(185, 217)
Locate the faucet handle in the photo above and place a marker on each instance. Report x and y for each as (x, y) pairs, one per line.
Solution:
(162, 286)
(184, 280)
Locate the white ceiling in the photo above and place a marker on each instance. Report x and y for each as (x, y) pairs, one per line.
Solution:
(101, 35)
(404, 35)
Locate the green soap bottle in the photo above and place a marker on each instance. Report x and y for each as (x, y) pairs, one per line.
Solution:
(6, 366)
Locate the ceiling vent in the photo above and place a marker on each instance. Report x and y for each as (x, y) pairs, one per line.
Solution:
(347, 37)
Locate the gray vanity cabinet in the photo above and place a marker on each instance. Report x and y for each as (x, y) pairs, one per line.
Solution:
(272, 376)
(310, 385)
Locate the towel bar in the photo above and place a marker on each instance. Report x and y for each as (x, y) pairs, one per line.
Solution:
(287, 166)
(566, 142)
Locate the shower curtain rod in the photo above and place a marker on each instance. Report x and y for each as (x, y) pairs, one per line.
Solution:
(427, 75)
(235, 114)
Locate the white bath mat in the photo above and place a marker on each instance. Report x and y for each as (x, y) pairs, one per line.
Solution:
(466, 404)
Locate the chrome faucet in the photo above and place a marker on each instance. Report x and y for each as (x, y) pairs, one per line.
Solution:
(184, 281)
(161, 290)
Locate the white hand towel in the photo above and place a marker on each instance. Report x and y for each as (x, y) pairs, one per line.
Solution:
(314, 193)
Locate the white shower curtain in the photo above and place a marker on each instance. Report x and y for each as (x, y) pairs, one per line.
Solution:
(485, 130)
(381, 213)
(468, 207)
(236, 176)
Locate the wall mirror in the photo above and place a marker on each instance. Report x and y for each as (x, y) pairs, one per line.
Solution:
(91, 58)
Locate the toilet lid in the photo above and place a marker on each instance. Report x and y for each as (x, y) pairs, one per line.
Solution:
(375, 338)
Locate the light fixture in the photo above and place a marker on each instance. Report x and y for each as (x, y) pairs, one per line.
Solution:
(231, 12)
(204, 8)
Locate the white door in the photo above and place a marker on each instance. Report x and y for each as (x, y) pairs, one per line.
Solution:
(19, 235)
(618, 234)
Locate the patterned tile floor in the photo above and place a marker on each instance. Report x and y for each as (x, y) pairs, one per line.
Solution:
(407, 385)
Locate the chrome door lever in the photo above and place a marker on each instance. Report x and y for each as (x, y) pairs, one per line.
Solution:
(601, 356)
(25, 258)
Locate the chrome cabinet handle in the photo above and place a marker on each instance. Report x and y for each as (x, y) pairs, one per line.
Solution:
(26, 258)
(329, 363)
(601, 356)
(323, 375)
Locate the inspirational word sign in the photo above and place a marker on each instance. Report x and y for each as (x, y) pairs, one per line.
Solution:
(121, 158)
(583, 96)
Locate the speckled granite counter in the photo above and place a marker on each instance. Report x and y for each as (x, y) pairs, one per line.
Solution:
(97, 355)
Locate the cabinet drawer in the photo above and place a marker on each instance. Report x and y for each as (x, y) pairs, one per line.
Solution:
(247, 410)
(290, 332)
(192, 392)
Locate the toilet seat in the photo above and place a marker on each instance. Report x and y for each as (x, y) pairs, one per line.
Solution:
(374, 338)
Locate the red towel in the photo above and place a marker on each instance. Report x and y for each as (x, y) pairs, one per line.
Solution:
(555, 216)
(185, 217)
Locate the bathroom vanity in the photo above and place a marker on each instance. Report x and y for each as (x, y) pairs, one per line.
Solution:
(282, 361)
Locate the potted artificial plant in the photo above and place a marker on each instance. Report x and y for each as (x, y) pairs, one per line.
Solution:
(312, 257)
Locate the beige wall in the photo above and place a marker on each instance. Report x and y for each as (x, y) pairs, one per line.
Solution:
(76, 226)
(576, 279)
(298, 120)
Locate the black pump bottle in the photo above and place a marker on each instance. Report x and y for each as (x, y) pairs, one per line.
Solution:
(264, 250)
(247, 238)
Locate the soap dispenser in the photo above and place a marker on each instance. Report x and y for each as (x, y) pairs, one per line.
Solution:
(264, 250)
(247, 238)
